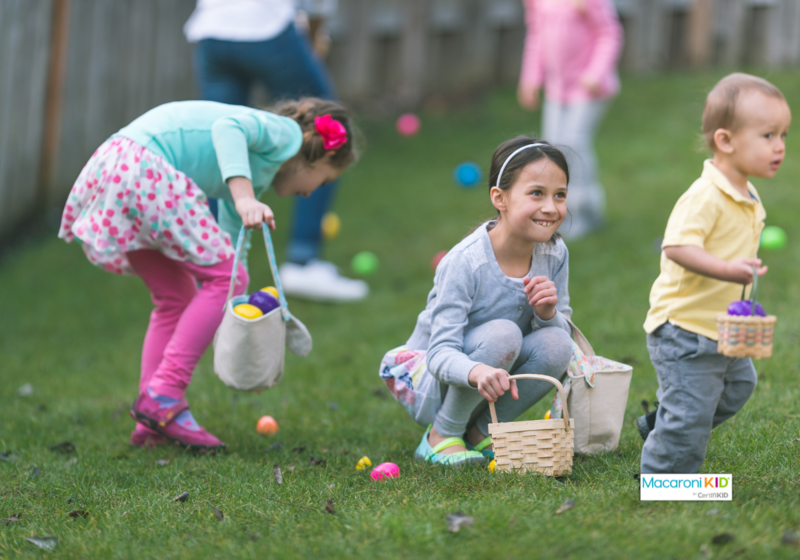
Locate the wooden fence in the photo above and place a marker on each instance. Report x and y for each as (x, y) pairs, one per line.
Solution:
(72, 72)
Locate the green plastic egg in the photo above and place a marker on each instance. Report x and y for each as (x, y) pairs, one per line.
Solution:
(773, 238)
(365, 263)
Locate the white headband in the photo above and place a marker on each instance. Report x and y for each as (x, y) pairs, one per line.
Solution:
(518, 150)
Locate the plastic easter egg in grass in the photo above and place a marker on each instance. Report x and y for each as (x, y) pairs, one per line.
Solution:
(385, 471)
(265, 301)
(773, 238)
(248, 311)
(408, 124)
(363, 463)
(364, 263)
(267, 426)
(331, 224)
(271, 290)
(492, 466)
(467, 174)
(437, 258)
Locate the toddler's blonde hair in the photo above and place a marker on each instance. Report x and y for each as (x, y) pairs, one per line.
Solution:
(720, 109)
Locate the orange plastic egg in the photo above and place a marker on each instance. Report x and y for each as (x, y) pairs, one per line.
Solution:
(267, 426)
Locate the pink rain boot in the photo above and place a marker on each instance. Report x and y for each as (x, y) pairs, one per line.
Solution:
(142, 436)
(148, 411)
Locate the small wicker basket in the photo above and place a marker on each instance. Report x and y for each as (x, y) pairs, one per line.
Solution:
(743, 336)
(544, 446)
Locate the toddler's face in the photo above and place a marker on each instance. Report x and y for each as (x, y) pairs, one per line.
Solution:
(536, 203)
(759, 142)
(302, 179)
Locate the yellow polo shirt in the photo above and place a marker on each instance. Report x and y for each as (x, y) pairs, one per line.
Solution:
(713, 215)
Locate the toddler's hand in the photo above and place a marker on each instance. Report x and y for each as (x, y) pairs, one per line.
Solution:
(542, 296)
(740, 271)
(492, 382)
(255, 213)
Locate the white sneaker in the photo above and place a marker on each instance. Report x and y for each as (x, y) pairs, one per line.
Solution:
(320, 281)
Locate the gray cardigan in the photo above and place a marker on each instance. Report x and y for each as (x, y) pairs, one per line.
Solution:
(469, 289)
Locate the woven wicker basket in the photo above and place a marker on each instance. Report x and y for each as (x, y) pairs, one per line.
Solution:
(743, 336)
(544, 446)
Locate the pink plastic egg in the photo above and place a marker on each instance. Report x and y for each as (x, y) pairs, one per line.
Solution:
(384, 471)
(408, 124)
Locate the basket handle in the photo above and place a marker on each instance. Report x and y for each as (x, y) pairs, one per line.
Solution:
(273, 265)
(753, 292)
(552, 380)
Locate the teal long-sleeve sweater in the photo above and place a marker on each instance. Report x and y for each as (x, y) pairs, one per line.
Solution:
(212, 142)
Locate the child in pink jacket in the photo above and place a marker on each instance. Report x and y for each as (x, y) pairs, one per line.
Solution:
(571, 50)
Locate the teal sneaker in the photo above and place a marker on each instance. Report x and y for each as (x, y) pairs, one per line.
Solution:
(488, 453)
(430, 454)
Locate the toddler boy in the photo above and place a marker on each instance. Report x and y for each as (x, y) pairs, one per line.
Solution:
(709, 249)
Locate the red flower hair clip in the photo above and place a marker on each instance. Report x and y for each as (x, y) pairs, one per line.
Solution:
(334, 134)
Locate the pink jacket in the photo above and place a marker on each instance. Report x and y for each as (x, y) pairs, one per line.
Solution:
(565, 44)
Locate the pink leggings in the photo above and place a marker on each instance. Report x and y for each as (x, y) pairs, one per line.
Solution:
(185, 318)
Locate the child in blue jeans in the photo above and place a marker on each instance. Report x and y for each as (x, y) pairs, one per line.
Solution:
(709, 248)
(499, 306)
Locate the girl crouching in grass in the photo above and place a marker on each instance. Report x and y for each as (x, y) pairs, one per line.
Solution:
(499, 306)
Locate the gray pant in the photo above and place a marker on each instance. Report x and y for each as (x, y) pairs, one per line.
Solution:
(574, 126)
(500, 344)
(698, 389)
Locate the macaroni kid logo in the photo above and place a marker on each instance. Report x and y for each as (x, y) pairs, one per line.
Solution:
(686, 487)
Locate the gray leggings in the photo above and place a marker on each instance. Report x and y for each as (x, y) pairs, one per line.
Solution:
(500, 344)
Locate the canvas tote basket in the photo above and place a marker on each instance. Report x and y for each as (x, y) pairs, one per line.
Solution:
(543, 446)
(249, 353)
(597, 393)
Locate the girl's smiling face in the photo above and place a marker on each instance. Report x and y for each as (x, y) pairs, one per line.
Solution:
(536, 203)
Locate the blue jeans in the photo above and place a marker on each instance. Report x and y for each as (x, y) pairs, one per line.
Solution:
(286, 65)
(698, 389)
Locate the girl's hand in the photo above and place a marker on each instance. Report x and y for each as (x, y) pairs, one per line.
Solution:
(492, 382)
(252, 212)
(255, 213)
(592, 86)
(542, 296)
(528, 97)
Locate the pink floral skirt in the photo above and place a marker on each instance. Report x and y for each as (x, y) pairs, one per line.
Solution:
(128, 198)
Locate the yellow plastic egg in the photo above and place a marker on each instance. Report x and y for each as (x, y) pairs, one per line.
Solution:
(363, 463)
(492, 466)
(331, 224)
(271, 290)
(547, 415)
(247, 311)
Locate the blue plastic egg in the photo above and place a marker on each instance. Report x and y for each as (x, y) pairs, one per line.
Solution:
(467, 174)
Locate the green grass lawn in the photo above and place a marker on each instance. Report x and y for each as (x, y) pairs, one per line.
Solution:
(74, 333)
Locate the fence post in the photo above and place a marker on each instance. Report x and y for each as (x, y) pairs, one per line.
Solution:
(51, 133)
(700, 33)
(414, 36)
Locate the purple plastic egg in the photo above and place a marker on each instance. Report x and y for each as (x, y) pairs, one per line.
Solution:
(744, 308)
(264, 301)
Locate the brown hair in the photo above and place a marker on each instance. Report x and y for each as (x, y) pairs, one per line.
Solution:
(720, 109)
(304, 111)
(519, 161)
